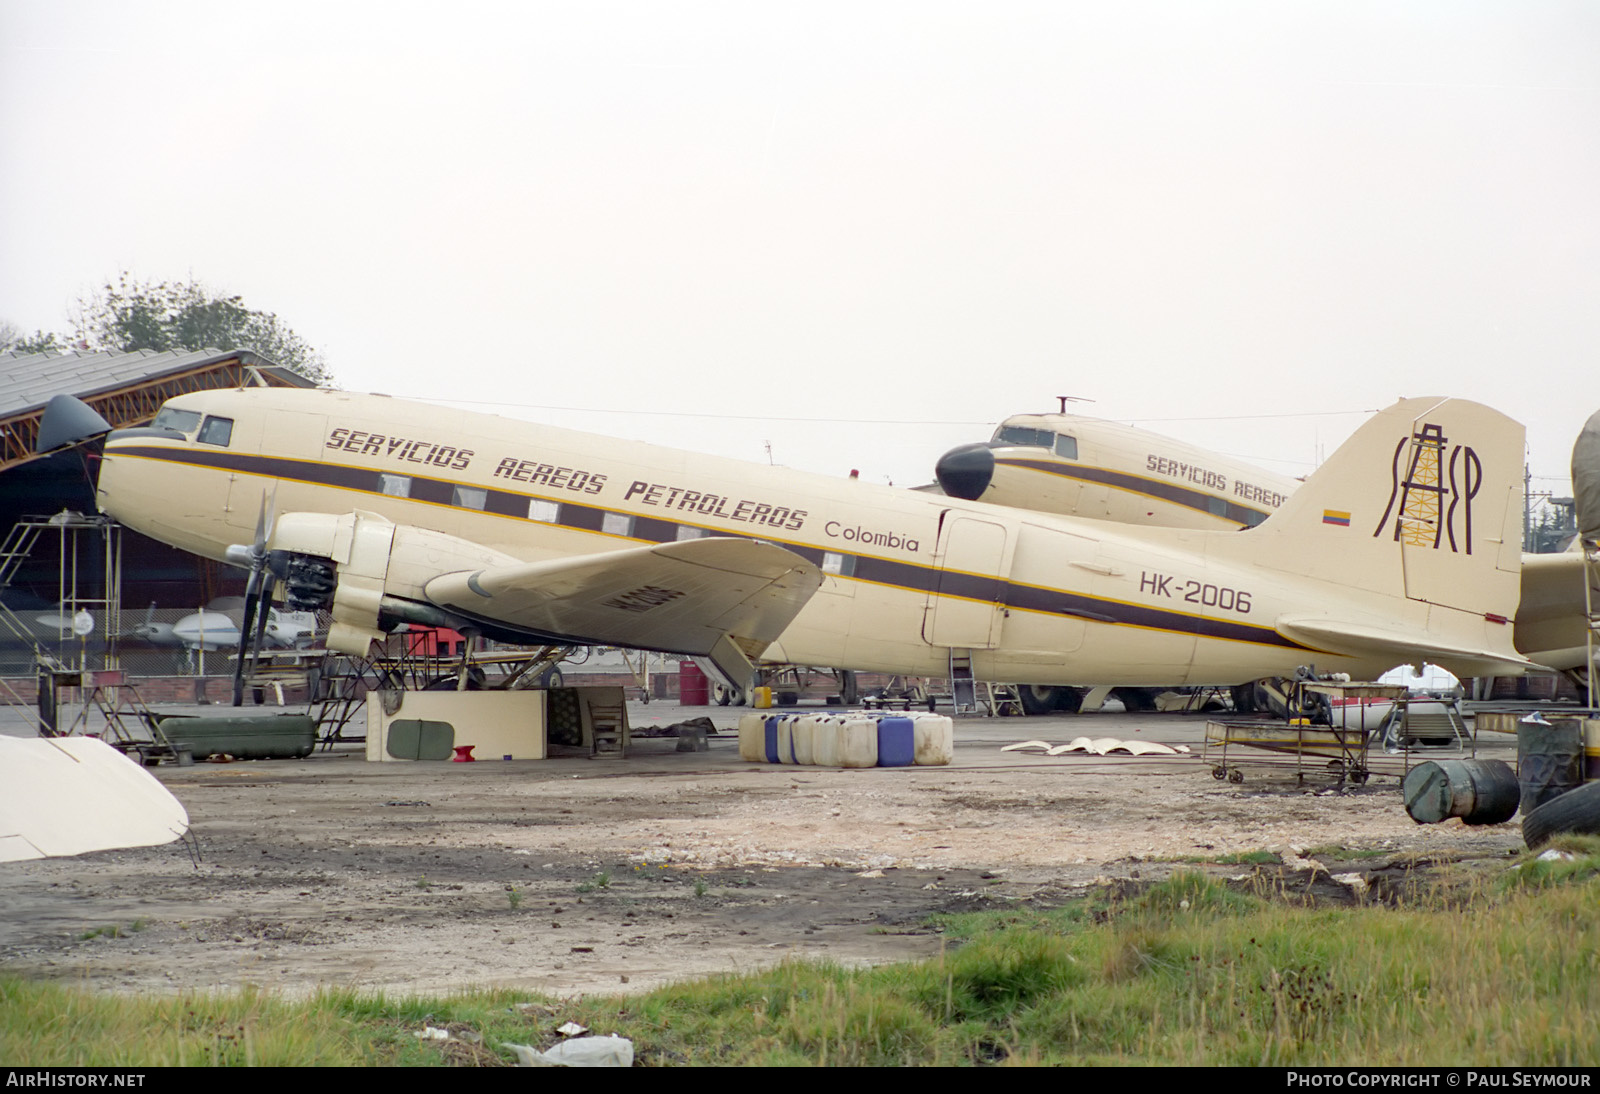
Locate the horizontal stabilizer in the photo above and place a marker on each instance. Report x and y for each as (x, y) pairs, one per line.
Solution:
(1363, 639)
(684, 597)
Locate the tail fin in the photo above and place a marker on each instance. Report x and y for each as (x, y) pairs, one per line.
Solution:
(1423, 503)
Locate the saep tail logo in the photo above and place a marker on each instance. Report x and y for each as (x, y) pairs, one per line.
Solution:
(1432, 484)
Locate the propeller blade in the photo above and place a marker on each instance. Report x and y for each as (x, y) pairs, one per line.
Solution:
(265, 519)
(252, 597)
(263, 616)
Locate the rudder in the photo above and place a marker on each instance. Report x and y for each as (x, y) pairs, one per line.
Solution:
(1424, 501)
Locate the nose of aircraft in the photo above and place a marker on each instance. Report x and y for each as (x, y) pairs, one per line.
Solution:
(965, 472)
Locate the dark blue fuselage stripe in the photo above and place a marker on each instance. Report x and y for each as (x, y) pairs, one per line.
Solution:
(1178, 495)
(880, 571)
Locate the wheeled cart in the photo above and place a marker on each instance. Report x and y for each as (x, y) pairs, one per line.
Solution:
(1336, 750)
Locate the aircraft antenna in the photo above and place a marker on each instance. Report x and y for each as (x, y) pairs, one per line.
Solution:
(1065, 399)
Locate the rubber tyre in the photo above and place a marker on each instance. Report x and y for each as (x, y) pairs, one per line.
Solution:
(1038, 699)
(1575, 811)
(849, 690)
(1137, 700)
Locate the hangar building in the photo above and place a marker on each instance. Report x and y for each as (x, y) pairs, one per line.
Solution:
(48, 574)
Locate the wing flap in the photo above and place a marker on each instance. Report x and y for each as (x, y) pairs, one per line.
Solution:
(680, 597)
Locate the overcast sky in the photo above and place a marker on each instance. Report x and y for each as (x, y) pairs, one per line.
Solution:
(907, 220)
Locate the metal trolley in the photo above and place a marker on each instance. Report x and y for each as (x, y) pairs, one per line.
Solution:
(1337, 750)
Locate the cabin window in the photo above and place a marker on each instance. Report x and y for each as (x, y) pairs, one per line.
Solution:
(184, 421)
(1066, 447)
(217, 431)
(469, 497)
(689, 531)
(835, 563)
(1253, 518)
(547, 512)
(617, 524)
(397, 486)
(1217, 506)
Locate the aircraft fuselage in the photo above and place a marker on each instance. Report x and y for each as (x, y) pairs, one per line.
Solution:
(909, 576)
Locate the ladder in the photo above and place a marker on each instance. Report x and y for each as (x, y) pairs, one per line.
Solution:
(1591, 611)
(963, 688)
(608, 719)
(14, 551)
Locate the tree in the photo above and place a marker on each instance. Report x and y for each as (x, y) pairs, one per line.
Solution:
(12, 340)
(164, 315)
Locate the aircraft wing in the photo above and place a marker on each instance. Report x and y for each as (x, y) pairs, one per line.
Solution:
(1370, 639)
(718, 597)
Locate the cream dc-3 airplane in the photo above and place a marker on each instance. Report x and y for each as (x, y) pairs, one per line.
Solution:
(1074, 465)
(1402, 548)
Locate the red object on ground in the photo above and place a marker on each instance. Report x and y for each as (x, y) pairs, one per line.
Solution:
(464, 755)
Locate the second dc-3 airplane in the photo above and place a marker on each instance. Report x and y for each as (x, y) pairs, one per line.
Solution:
(1079, 466)
(1402, 548)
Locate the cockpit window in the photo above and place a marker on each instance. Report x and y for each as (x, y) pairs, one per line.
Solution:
(1025, 435)
(218, 431)
(184, 421)
(1030, 437)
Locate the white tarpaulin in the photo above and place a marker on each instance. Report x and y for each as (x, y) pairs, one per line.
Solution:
(71, 795)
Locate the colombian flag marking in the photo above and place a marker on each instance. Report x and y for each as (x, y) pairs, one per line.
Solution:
(1334, 516)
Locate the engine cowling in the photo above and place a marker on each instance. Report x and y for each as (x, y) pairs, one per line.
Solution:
(351, 563)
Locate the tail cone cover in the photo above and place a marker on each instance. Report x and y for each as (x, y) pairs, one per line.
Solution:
(68, 420)
(965, 472)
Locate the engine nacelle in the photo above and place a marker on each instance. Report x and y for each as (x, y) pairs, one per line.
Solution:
(372, 558)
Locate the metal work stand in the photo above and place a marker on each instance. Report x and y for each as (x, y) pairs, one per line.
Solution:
(1336, 751)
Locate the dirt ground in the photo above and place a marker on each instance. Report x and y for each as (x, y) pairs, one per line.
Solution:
(602, 875)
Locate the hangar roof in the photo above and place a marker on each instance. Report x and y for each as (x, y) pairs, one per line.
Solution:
(126, 389)
(29, 380)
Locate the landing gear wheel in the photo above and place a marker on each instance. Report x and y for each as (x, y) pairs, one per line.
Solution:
(1236, 776)
(1038, 699)
(1219, 773)
(1137, 700)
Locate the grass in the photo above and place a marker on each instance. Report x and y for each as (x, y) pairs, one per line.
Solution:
(114, 930)
(1235, 858)
(1187, 971)
(1575, 858)
(602, 880)
(1340, 853)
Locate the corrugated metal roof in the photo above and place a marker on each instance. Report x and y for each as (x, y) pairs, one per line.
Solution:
(27, 381)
